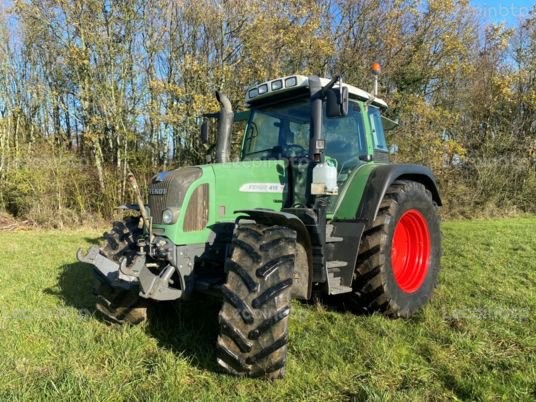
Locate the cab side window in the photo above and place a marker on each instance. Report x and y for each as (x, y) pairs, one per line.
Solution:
(378, 135)
(345, 136)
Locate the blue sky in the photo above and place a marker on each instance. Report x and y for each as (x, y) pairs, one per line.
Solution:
(508, 12)
(490, 11)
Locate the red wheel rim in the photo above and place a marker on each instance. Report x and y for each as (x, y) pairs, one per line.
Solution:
(410, 252)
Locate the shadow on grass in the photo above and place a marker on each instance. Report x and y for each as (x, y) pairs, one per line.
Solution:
(75, 283)
(75, 286)
(93, 240)
(188, 328)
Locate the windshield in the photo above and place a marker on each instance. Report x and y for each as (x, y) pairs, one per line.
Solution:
(283, 131)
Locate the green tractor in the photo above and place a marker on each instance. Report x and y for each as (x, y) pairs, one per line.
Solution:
(313, 206)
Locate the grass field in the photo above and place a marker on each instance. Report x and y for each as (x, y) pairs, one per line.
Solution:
(475, 341)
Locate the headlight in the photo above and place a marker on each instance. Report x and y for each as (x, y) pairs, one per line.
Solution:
(278, 84)
(168, 216)
(263, 89)
(291, 82)
(252, 92)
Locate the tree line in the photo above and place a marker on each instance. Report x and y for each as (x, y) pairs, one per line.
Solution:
(92, 89)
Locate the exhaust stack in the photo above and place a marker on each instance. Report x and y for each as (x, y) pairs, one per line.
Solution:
(223, 144)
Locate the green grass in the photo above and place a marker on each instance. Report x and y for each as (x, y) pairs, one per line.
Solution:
(476, 340)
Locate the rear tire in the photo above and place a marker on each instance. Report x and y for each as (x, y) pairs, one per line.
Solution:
(399, 255)
(118, 305)
(256, 306)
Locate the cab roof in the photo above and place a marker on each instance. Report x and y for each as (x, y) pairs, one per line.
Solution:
(283, 85)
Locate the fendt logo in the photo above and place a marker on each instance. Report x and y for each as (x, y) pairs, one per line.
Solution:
(157, 191)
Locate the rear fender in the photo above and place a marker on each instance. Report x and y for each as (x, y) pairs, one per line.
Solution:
(382, 177)
(361, 206)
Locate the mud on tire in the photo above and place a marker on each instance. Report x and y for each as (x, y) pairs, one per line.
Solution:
(254, 316)
(119, 306)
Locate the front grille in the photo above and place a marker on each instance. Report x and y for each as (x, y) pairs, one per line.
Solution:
(196, 217)
(168, 189)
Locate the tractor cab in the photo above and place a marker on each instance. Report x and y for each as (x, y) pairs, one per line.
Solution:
(350, 129)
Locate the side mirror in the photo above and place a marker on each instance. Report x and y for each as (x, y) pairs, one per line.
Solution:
(205, 127)
(337, 102)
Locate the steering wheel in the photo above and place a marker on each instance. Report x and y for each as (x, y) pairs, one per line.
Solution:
(299, 150)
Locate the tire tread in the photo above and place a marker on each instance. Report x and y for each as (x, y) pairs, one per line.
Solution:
(263, 256)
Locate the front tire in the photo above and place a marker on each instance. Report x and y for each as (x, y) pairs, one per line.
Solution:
(399, 256)
(118, 305)
(254, 316)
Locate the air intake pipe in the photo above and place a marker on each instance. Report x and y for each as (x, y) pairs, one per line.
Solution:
(223, 145)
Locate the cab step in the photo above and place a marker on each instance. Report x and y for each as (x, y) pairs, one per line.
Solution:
(334, 279)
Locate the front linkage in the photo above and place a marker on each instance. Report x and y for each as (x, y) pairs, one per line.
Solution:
(123, 267)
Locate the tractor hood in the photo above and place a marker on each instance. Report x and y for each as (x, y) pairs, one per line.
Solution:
(200, 197)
